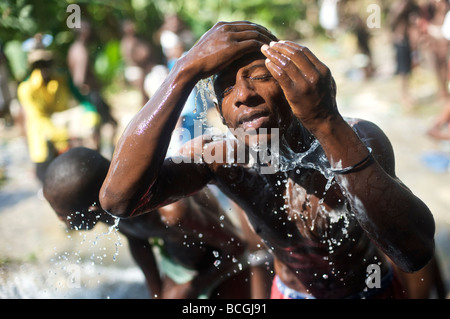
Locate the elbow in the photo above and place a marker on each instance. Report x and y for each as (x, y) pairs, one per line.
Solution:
(426, 244)
(420, 247)
(115, 204)
(116, 209)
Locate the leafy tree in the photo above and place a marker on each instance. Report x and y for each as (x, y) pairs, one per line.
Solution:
(21, 19)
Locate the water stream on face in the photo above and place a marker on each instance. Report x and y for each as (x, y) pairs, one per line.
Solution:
(205, 89)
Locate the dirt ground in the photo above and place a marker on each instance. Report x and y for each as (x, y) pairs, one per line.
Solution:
(39, 259)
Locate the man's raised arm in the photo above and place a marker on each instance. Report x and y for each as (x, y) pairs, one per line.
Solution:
(398, 221)
(136, 173)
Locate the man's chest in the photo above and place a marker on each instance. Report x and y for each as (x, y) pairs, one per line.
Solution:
(289, 206)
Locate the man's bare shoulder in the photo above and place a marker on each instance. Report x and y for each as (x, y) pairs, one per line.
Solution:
(367, 129)
(375, 138)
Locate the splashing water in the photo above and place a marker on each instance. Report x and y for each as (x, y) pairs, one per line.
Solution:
(205, 89)
(114, 229)
(204, 98)
(313, 158)
(76, 265)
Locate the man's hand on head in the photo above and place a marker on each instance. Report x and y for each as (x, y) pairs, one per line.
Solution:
(225, 43)
(306, 81)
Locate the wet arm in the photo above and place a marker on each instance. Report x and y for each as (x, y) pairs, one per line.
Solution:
(399, 222)
(140, 152)
(143, 255)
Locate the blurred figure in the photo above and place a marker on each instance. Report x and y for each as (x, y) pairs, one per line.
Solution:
(362, 34)
(154, 78)
(5, 94)
(137, 56)
(44, 95)
(127, 44)
(329, 16)
(441, 127)
(175, 38)
(438, 44)
(402, 19)
(83, 77)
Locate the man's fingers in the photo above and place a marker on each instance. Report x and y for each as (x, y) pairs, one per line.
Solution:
(292, 48)
(295, 66)
(279, 74)
(239, 27)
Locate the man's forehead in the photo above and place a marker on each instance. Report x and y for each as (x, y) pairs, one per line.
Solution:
(250, 61)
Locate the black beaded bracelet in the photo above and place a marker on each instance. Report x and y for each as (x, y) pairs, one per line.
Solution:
(360, 165)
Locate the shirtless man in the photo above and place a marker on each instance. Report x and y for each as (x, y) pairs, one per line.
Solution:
(402, 17)
(81, 71)
(323, 237)
(201, 252)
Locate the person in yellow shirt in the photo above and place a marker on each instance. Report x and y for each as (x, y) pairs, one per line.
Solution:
(43, 94)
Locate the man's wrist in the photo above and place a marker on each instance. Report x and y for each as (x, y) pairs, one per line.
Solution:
(186, 71)
(325, 126)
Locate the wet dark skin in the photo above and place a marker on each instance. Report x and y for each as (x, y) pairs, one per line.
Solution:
(194, 230)
(288, 88)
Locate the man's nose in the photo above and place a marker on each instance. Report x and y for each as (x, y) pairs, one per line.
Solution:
(245, 93)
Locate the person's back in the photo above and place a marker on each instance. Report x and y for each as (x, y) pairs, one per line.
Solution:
(188, 234)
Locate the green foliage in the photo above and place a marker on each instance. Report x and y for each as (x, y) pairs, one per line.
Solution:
(109, 61)
(21, 19)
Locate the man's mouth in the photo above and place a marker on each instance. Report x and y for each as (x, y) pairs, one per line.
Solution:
(254, 120)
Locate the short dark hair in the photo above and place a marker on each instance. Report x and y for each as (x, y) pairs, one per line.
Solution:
(256, 55)
(76, 175)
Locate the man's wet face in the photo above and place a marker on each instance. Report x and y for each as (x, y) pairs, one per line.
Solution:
(250, 98)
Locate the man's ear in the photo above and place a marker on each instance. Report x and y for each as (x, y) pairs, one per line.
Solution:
(219, 110)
